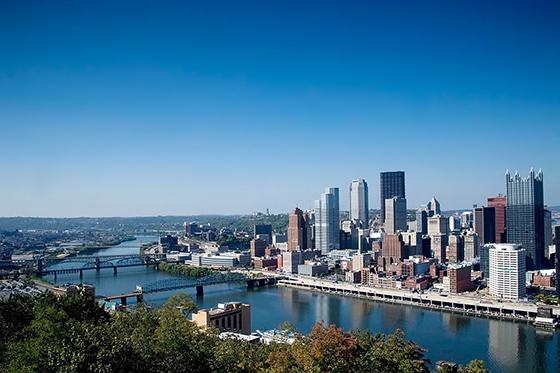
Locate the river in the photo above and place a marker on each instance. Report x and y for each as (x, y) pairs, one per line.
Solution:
(505, 346)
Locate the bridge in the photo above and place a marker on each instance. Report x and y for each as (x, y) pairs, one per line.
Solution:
(191, 282)
(95, 263)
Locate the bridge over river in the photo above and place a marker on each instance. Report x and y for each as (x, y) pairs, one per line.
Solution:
(192, 282)
(79, 264)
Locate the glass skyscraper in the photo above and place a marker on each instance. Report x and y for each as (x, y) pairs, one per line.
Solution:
(359, 206)
(525, 215)
(391, 185)
(327, 221)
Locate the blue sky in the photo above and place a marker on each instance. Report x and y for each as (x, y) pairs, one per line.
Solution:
(155, 108)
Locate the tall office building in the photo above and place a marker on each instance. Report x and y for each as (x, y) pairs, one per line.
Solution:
(466, 219)
(264, 231)
(437, 225)
(471, 245)
(455, 249)
(525, 215)
(485, 260)
(484, 223)
(298, 234)
(395, 215)
(547, 229)
(327, 221)
(557, 244)
(359, 203)
(422, 220)
(454, 223)
(499, 204)
(434, 207)
(507, 271)
(391, 185)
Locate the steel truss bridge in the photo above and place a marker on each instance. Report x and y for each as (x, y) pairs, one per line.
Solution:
(96, 263)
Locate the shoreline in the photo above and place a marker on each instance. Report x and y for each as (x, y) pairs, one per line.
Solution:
(373, 294)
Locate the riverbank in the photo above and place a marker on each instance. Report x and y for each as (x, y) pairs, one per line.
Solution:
(504, 311)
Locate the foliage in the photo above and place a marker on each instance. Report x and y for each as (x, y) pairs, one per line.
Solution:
(75, 334)
(185, 270)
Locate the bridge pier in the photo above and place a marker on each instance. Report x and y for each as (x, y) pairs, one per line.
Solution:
(251, 284)
(81, 275)
(199, 291)
(114, 270)
(124, 301)
(140, 298)
(97, 264)
(55, 275)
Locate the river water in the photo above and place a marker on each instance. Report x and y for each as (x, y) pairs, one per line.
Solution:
(505, 346)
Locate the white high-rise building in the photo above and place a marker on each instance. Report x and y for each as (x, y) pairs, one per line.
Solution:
(507, 271)
(359, 206)
(466, 219)
(454, 223)
(395, 215)
(327, 221)
(434, 207)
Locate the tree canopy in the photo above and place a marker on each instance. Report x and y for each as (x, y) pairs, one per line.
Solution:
(75, 334)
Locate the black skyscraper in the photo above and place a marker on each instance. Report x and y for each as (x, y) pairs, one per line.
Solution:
(391, 185)
(525, 216)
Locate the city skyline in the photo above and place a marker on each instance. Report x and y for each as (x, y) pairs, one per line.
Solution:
(198, 111)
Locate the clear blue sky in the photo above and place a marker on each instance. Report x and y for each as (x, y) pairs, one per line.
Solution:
(140, 108)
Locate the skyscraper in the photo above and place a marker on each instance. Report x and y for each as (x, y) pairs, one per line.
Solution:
(557, 255)
(395, 215)
(422, 220)
(484, 224)
(434, 207)
(359, 205)
(499, 204)
(327, 221)
(507, 271)
(391, 185)
(525, 215)
(298, 234)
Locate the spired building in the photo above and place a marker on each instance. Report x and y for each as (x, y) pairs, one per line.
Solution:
(391, 185)
(327, 221)
(525, 216)
(359, 206)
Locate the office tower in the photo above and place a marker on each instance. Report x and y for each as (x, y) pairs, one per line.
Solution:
(499, 204)
(395, 215)
(484, 223)
(422, 221)
(359, 202)
(507, 271)
(525, 215)
(438, 244)
(349, 231)
(298, 231)
(454, 224)
(557, 257)
(484, 252)
(264, 231)
(472, 245)
(437, 225)
(456, 249)
(547, 229)
(327, 221)
(291, 260)
(257, 247)
(466, 219)
(393, 249)
(309, 219)
(434, 207)
(391, 185)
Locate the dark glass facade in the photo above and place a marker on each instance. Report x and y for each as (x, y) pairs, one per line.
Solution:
(391, 185)
(525, 216)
